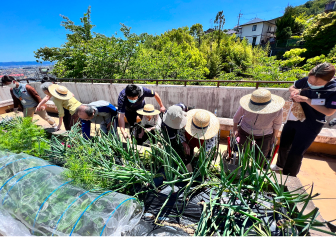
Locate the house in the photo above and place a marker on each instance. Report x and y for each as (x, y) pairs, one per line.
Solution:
(329, 7)
(258, 31)
(231, 32)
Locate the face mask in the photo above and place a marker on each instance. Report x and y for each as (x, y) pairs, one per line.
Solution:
(314, 87)
(132, 101)
(12, 85)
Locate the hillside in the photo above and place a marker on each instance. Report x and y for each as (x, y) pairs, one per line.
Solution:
(312, 7)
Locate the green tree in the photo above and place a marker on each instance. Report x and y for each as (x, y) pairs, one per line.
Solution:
(286, 25)
(196, 31)
(293, 58)
(320, 35)
(219, 24)
(312, 7)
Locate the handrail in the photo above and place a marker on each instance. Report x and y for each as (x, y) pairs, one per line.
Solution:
(176, 80)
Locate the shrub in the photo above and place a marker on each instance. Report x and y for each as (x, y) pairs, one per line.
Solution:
(22, 135)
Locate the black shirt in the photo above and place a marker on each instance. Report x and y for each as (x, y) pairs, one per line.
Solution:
(124, 105)
(328, 92)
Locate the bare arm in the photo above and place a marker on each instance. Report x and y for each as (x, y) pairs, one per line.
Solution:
(42, 103)
(235, 129)
(60, 121)
(158, 99)
(121, 122)
(236, 118)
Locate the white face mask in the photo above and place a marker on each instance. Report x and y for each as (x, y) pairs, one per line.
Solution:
(314, 87)
(12, 85)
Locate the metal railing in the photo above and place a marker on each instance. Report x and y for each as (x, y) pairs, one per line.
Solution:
(158, 81)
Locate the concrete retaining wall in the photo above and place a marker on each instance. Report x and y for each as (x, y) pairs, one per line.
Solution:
(224, 99)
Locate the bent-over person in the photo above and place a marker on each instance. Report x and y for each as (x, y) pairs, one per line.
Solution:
(26, 97)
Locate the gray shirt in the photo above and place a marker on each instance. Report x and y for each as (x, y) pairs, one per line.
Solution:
(27, 100)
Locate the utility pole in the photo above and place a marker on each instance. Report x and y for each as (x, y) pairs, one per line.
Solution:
(240, 14)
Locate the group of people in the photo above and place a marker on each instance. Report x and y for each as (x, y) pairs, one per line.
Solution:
(258, 118)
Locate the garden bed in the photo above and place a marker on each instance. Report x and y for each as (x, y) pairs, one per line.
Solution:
(212, 200)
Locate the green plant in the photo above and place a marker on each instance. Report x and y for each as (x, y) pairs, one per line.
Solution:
(320, 36)
(293, 58)
(312, 62)
(23, 135)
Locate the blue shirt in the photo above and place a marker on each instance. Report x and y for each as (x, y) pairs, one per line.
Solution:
(124, 105)
(328, 92)
(104, 113)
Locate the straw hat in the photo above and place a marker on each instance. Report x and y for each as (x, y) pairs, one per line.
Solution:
(175, 117)
(60, 92)
(148, 110)
(202, 124)
(261, 101)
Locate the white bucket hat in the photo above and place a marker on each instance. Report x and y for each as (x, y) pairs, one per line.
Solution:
(175, 117)
(261, 101)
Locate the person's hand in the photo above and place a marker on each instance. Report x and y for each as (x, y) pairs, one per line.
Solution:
(58, 127)
(141, 134)
(43, 107)
(108, 126)
(235, 133)
(300, 98)
(186, 148)
(189, 168)
(16, 110)
(126, 135)
(38, 108)
(148, 129)
(294, 92)
(162, 109)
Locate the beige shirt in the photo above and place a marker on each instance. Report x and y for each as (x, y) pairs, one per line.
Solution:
(71, 105)
(258, 124)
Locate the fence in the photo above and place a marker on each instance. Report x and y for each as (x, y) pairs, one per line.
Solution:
(162, 81)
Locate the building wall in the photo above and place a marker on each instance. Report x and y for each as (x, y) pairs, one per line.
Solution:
(224, 99)
(249, 34)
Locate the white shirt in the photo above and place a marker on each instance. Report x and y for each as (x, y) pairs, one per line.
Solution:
(154, 122)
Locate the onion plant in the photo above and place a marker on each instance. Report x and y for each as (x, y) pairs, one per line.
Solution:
(249, 200)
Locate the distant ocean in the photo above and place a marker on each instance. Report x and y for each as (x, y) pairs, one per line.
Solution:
(22, 64)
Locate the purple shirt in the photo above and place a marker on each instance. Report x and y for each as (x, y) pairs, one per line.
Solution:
(259, 124)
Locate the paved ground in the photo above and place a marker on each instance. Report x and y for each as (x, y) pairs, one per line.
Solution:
(319, 169)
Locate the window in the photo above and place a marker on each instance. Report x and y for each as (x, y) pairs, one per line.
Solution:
(254, 27)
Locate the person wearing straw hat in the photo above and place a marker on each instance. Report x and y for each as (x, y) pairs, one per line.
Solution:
(150, 122)
(260, 116)
(173, 123)
(130, 100)
(26, 97)
(63, 99)
(202, 127)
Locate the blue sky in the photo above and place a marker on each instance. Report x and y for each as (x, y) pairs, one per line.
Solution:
(28, 25)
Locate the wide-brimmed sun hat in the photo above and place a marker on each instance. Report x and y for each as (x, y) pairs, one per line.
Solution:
(261, 101)
(202, 124)
(60, 92)
(148, 109)
(175, 117)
